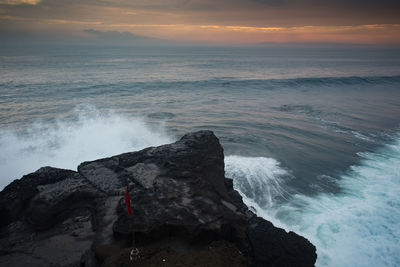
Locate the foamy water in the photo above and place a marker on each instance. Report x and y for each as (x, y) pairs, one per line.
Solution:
(357, 227)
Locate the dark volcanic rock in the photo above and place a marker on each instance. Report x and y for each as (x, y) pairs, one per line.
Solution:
(47, 218)
(182, 203)
(16, 197)
(176, 189)
(281, 248)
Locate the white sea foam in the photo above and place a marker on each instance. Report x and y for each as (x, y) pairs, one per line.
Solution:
(358, 226)
(259, 180)
(67, 143)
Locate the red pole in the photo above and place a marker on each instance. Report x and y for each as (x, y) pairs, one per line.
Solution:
(129, 209)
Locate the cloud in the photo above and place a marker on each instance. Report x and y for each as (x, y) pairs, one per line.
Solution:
(78, 22)
(19, 2)
(50, 21)
(260, 13)
(272, 2)
(185, 19)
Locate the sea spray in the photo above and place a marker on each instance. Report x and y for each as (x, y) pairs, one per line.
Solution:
(260, 181)
(65, 143)
(258, 178)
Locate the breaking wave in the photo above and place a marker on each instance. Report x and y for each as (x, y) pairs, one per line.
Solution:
(356, 227)
(68, 142)
(259, 180)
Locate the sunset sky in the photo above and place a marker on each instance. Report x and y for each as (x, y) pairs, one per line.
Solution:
(205, 21)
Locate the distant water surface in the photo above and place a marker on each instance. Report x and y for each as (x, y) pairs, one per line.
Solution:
(311, 135)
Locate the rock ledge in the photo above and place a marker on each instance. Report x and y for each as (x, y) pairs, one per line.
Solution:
(184, 209)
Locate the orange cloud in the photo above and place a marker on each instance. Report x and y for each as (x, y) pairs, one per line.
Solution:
(163, 26)
(20, 2)
(376, 33)
(51, 21)
(13, 18)
(129, 25)
(210, 27)
(254, 29)
(78, 22)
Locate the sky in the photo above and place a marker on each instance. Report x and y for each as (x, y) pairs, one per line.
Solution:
(203, 21)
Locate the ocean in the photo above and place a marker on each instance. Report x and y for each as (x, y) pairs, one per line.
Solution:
(311, 136)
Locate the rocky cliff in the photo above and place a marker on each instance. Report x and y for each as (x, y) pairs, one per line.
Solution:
(185, 213)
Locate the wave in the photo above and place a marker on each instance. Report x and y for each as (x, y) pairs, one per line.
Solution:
(357, 226)
(259, 180)
(351, 80)
(255, 83)
(229, 83)
(68, 142)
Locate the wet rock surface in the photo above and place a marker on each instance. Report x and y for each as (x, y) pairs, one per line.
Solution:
(183, 208)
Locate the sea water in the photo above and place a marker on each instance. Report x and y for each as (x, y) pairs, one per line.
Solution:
(311, 135)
